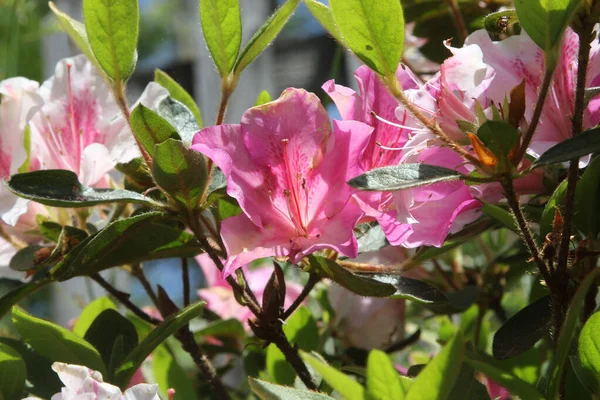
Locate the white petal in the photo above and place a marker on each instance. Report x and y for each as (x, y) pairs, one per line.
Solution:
(143, 391)
(96, 161)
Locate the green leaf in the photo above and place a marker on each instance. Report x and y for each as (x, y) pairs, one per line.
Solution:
(514, 385)
(567, 334)
(76, 31)
(222, 28)
(437, 378)
(523, 330)
(178, 93)
(25, 258)
(20, 292)
(322, 13)
(61, 188)
(112, 30)
(301, 330)
(467, 386)
(43, 382)
(409, 288)
(382, 378)
(180, 172)
(12, 373)
(222, 328)
(555, 201)
(279, 370)
(169, 374)
(166, 328)
(263, 98)
(589, 349)
(150, 128)
(585, 143)
(545, 22)
(403, 176)
(105, 340)
(147, 236)
(180, 117)
(374, 31)
(327, 268)
(265, 35)
(347, 387)
(55, 342)
(498, 136)
(497, 22)
(501, 215)
(268, 391)
(587, 197)
(90, 312)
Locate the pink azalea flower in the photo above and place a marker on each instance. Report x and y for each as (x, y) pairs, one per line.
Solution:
(287, 169)
(83, 383)
(20, 102)
(219, 295)
(80, 127)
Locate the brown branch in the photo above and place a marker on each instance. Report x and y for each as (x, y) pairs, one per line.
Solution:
(459, 21)
(313, 279)
(185, 278)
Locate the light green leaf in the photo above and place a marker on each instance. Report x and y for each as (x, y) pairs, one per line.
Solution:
(279, 370)
(322, 13)
(178, 93)
(150, 128)
(556, 200)
(90, 312)
(382, 378)
(222, 28)
(169, 374)
(347, 387)
(112, 30)
(265, 35)
(55, 342)
(301, 330)
(437, 378)
(501, 215)
(268, 391)
(263, 97)
(589, 348)
(374, 31)
(498, 136)
(12, 373)
(166, 328)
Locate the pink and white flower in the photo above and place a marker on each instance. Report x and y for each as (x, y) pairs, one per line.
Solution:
(288, 169)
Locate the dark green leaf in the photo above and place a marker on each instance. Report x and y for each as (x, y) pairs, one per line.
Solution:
(498, 136)
(61, 188)
(137, 175)
(150, 128)
(168, 327)
(25, 258)
(222, 28)
(437, 378)
(497, 22)
(20, 292)
(545, 22)
(265, 35)
(43, 382)
(347, 387)
(523, 330)
(55, 342)
(467, 386)
(403, 176)
(268, 391)
(374, 31)
(180, 172)
(222, 328)
(382, 378)
(365, 287)
(501, 215)
(263, 98)
(91, 312)
(556, 200)
(587, 197)
(12, 373)
(589, 348)
(178, 93)
(140, 238)
(409, 288)
(112, 30)
(181, 117)
(49, 229)
(322, 13)
(169, 374)
(104, 340)
(585, 143)
(567, 334)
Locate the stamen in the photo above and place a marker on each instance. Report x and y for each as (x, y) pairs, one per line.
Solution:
(291, 193)
(74, 133)
(395, 125)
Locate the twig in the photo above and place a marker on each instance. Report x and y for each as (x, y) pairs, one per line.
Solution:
(123, 298)
(459, 21)
(443, 274)
(185, 277)
(138, 272)
(313, 279)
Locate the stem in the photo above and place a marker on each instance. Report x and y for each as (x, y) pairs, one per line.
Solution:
(227, 87)
(459, 21)
(513, 202)
(124, 299)
(313, 279)
(535, 119)
(185, 277)
(138, 272)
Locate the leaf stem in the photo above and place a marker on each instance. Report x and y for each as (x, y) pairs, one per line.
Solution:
(313, 279)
